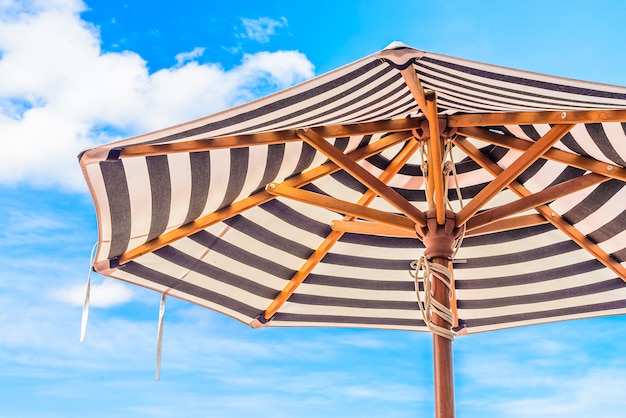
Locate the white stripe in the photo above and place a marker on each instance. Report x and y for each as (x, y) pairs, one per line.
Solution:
(218, 180)
(103, 210)
(521, 268)
(475, 330)
(605, 214)
(530, 76)
(257, 161)
(180, 177)
(333, 187)
(548, 173)
(285, 229)
(313, 102)
(566, 203)
(391, 152)
(496, 98)
(511, 247)
(615, 243)
(302, 309)
(290, 324)
(375, 101)
(378, 253)
(140, 196)
(290, 160)
(206, 282)
(232, 292)
(120, 274)
(581, 135)
(561, 284)
(318, 214)
(552, 305)
(254, 246)
(362, 273)
(616, 135)
(353, 143)
(357, 294)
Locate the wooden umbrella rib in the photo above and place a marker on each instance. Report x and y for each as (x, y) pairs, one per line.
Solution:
(537, 199)
(369, 128)
(545, 117)
(268, 138)
(580, 238)
(341, 206)
(504, 178)
(545, 211)
(302, 274)
(412, 81)
(361, 174)
(198, 145)
(195, 226)
(371, 228)
(507, 224)
(398, 162)
(552, 154)
(375, 228)
(257, 199)
(428, 104)
(435, 158)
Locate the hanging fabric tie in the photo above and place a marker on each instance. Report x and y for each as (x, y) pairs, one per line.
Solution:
(449, 168)
(429, 305)
(85, 316)
(160, 337)
(425, 271)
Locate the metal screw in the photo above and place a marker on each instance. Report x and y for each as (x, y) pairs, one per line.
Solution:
(563, 115)
(271, 186)
(553, 214)
(609, 168)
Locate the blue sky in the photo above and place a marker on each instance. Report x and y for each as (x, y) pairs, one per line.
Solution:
(74, 74)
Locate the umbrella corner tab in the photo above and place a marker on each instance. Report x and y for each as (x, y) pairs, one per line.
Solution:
(97, 155)
(261, 321)
(106, 267)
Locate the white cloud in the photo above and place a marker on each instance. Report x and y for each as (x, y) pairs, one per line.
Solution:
(103, 295)
(283, 68)
(542, 371)
(261, 29)
(184, 57)
(597, 393)
(60, 94)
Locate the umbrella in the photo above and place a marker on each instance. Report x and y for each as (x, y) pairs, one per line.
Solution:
(407, 190)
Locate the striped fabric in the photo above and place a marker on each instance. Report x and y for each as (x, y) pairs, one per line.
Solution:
(239, 265)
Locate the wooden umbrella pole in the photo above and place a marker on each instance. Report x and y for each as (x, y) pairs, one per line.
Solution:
(439, 243)
(442, 353)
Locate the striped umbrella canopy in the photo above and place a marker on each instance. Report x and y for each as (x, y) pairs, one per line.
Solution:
(407, 190)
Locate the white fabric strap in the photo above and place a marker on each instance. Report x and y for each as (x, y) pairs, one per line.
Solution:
(160, 337)
(85, 316)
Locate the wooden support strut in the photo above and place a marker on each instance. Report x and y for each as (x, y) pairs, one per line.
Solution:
(410, 148)
(545, 211)
(351, 167)
(251, 201)
(506, 176)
